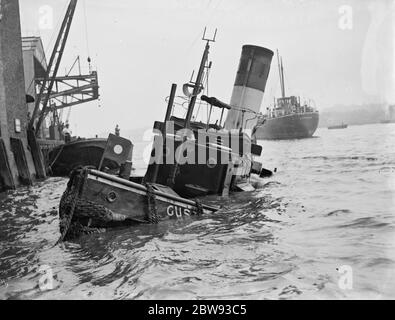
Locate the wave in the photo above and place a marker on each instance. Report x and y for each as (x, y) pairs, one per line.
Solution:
(337, 212)
(366, 222)
(380, 261)
(341, 158)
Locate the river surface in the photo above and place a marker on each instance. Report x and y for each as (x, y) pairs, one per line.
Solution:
(323, 227)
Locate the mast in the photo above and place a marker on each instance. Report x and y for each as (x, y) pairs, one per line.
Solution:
(198, 84)
(281, 74)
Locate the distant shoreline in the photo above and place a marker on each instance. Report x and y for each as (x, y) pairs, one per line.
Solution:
(353, 115)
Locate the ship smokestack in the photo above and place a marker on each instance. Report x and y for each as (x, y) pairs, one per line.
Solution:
(249, 87)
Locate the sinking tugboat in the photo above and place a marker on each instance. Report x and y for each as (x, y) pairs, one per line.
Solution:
(95, 201)
(189, 159)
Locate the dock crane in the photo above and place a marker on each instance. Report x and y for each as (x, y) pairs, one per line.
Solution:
(49, 90)
(58, 92)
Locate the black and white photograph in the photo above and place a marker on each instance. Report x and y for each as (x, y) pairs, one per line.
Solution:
(197, 150)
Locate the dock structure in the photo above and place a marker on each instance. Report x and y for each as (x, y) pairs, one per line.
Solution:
(16, 161)
(35, 66)
(33, 94)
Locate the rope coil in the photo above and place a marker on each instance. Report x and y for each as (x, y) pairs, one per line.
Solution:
(69, 201)
(152, 212)
(73, 208)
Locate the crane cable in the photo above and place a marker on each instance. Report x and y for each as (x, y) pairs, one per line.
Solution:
(87, 35)
(88, 52)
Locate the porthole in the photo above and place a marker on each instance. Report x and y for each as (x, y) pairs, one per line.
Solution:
(118, 149)
(112, 197)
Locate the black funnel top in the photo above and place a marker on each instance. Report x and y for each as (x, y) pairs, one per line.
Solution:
(254, 67)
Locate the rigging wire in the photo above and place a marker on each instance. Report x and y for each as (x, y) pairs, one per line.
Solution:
(88, 52)
(208, 21)
(207, 88)
(219, 3)
(287, 84)
(78, 58)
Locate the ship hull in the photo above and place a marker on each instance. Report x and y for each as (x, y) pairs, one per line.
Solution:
(295, 126)
(342, 126)
(63, 159)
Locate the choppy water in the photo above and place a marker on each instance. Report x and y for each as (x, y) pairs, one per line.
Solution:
(331, 204)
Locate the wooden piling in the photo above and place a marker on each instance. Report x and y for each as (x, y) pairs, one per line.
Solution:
(6, 177)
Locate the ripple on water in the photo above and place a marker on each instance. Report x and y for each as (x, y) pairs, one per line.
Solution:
(329, 205)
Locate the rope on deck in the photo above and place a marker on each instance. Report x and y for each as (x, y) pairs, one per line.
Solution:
(152, 213)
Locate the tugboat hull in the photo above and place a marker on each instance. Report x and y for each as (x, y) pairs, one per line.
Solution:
(294, 126)
(130, 199)
(95, 201)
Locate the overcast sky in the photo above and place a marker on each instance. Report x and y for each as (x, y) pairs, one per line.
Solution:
(334, 52)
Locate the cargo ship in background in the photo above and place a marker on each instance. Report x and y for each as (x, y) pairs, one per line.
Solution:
(288, 118)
